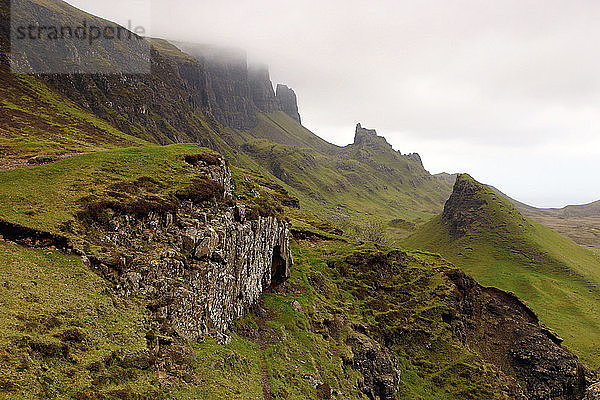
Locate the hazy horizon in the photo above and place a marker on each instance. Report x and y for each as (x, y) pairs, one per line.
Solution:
(507, 92)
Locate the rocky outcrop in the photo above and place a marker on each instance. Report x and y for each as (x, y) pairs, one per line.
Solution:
(419, 320)
(288, 101)
(201, 266)
(460, 211)
(593, 392)
(376, 364)
(508, 334)
(239, 91)
(369, 138)
(416, 158)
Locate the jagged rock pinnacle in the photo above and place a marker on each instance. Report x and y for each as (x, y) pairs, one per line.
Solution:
(288, 101)
(368, 138)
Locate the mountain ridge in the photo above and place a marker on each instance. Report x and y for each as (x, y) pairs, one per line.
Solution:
(212, 100)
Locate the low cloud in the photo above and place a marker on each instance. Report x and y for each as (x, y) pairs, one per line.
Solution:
(509, 91)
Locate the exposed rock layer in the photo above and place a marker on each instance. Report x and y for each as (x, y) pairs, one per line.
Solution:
(168, 105)
(261, 89)
(461, 208)
(522, 347)
(239, 91)
(202, 266)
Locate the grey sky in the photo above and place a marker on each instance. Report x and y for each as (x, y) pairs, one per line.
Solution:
(508, 91)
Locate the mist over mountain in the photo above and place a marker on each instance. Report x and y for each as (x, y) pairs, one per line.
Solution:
(474, 87)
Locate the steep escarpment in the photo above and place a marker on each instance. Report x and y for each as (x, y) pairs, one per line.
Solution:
(182, 97)
(201, 266)
(261, 89)
(182, 239)
(209, 95)
(227, 74)
(239, 91)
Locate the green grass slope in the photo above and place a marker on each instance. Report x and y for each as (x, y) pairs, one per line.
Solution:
(483, 233)
(47, 197)
(345, 184)
(63, 332)
(38, 123)
(340, 296)
(577, 222)
(280, 128)
(90, 344)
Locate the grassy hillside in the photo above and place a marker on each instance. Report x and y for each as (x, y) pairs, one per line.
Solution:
(282, 129)
(483, 233)
(354, 318)
(580, 223)
(346, 184)
(47, 118)
(48, 197)
(88, 343)
(63, 332)
(37, 124)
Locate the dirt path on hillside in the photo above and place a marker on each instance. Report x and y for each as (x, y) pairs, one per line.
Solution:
(10, 164)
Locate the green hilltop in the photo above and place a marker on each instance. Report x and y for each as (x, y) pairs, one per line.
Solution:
(483, 233)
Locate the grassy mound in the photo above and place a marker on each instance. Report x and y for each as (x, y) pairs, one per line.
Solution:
(49, 197)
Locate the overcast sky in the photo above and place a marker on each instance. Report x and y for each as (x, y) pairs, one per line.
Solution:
(508, 91)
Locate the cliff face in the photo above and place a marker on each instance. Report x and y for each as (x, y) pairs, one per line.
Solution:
(288, 101)
(167, 106)
(173, 103)
(136, 104)
(207, 270)
(229, 94)
(261, 89)
(239, 91)
(202, 266)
